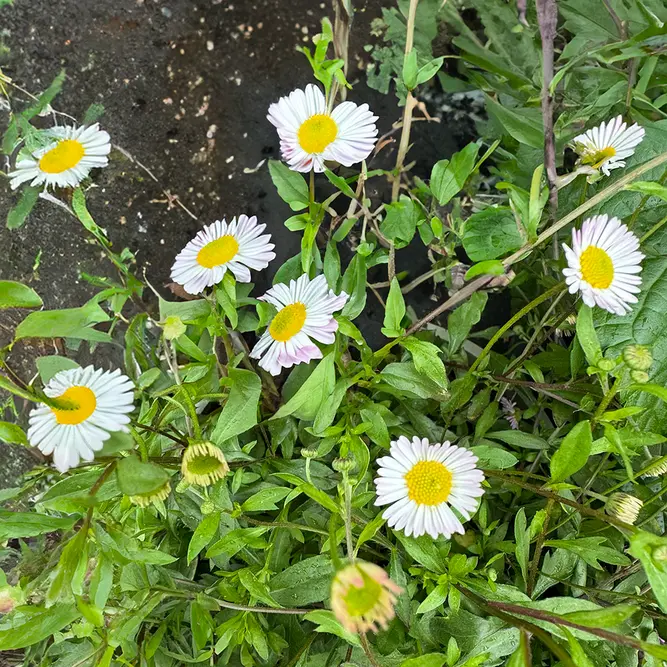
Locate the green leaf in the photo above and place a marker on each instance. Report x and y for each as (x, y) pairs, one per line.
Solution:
(67, 323)
(521, 124)
(354, 284)
(591, 551)
(12, 434)
(401, 220)
(586, 335)
(188, 311)
(490, 267)
(307, 400)
(491, 233)
(519, 439)
(427, 660)
(29, 524)
(427, 361)
(648, 188)
(410, 69)
(340, 183)
(449, 176)
(136, 477)
(603, 618)
(395, 311)
(424, 550)
(573, 452)
(406, 378)
(50, 366)
(17, 295)
(291, 185)
(434, 599)
(304, 583)
(429, 70)
(652, 552)
(577, 653)
(266, 499)
(462, 320)
(240, 411)
(203, 535)
(327, 622)
(40, 624)
(494, 458)
(19, 214)
(522, 539)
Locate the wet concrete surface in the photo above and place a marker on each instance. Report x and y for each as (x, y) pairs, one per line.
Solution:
(185, 85)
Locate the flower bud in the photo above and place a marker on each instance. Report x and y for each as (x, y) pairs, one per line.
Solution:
(637, 357)
(309, 453)
(173, 327)
(640, 377)
(203, 463)
(207, 507)
(606, 365)
(343, 464)
(623, 506)
(656, 467)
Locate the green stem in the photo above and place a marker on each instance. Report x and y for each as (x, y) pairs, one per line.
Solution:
(653, 229)
(556, 289)
(606, 400)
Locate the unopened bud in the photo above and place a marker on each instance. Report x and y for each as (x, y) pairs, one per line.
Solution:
(637, 357)
(309, 453)
(640, 377)
(173, 327)
(207, 507)
(343, 465)
(623, 506)
(606, 365)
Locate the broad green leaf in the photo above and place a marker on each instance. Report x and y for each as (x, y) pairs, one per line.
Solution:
(50, 366)
(304, 583)
(19, 214)
(187, 311)
(291, 185)
(490, 234)
(12, 434)
(394, 311)
(401, 220)
(494, 458)
(524, 125)
(651, 550)
(203, 535)
(586, 335)
(427, 660)
(434, 599)
(67, 323)
(410, 69)
(266, 499)
(577, 653)
(449, 176)
(462, 320)
(236, 539)
(18, 295)
(40, 624)
(340, 183)
(240, 411)
(318, 386)
(427, 361)
(327, 622)
(604, 618)
(136, 477)
(29, 524)
(519, 439)
(648, 188)
(429, 70)
(405, 377)
(354, 284)
(424, 550)
(573, 452)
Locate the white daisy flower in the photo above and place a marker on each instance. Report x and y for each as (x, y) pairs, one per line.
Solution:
(420, 481)
(91, 405)
(237, 246)
(67, 160)
(607, 146)
(603, 264)
(305, 311)
(309, 134)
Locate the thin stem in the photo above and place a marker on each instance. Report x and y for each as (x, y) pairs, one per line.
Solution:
(404, 143)
(539, 543)
(556, 289)
(606, 400)
(172, 361)
(367, 650)
(348, 516)
(654, 229)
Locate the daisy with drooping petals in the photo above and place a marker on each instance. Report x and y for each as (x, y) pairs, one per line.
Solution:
(305, 311)
(363, 597)
(309, 134)
(420, 481)
(237, 246)
(607, 146)
(88, 405)
(67, 160)
(203, 464)
(604, 264)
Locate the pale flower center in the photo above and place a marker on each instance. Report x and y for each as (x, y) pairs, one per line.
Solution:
(361, 601)
(597, 269)
(76, 405)
(429, 483)
(598, 158)
(63, 156)
(288, 322)
(218, 252)
(316, 133)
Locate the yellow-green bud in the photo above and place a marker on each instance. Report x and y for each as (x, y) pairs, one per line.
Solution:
(640, 377)
(309, 453)
(637, 357)
(173, 327)
(207, 507)
(606, 365)
(343, 465)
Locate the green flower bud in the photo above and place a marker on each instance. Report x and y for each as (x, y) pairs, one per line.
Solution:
(606, 365)
(637, 357)
(207, 507)
(640, 377)
(343, 465)
(309, 453)
(173, 327)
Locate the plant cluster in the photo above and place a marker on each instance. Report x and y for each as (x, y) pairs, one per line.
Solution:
(258, 485)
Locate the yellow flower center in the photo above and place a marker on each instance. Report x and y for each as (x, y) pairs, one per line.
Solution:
(597, 159)
(316, 133)
(597, 269)
(75, 405)
(63, 156)
(218, 252)
(288, 322)
(429, 483)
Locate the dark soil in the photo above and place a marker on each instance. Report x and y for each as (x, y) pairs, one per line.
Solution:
(186, 86)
